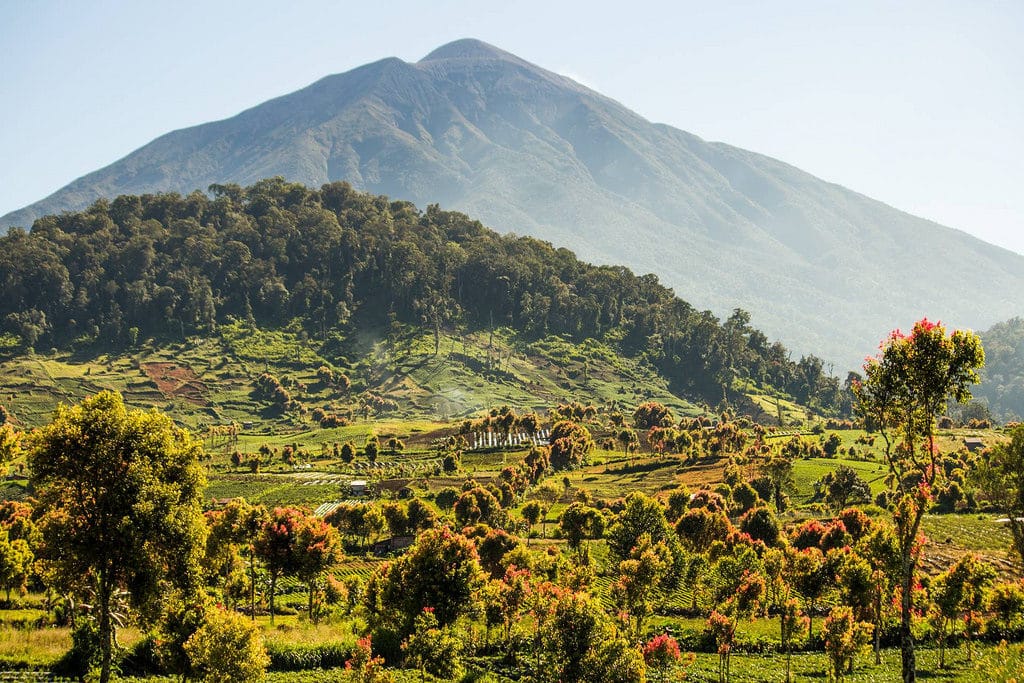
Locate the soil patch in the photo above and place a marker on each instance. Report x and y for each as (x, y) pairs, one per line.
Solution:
(177, 381)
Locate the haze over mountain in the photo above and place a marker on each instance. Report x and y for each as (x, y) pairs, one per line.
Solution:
(474, 128)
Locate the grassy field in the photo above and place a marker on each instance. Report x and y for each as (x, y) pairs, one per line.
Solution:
(210, 380)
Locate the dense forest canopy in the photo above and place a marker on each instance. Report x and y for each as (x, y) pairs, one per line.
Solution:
(1002, 385)
(165, 265)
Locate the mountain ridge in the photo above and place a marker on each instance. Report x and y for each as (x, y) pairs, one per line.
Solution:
(477, 129)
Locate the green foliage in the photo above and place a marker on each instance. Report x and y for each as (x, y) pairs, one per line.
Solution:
(227, 648)
(433, 649)
(308, 656)
(762, 525)
(1002, 380)
(641, 516)
(652, 414)
(15, 563)
(478, 505)
(1001, 479)
(843, 636)
(570, 445)
(578, 522)
(120, 494)
(842, 487)
(639, 574)
(280, 255)
(441, 571)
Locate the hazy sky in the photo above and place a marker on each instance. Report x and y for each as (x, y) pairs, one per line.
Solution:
(918, 104)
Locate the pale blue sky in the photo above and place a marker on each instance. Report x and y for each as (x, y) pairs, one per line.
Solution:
(918, 104)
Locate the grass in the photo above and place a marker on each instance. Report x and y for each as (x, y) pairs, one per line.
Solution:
(40, 648)
(990, 665)
(473, 371)
(806, 471)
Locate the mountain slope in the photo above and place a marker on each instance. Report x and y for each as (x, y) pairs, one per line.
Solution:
(474, 128)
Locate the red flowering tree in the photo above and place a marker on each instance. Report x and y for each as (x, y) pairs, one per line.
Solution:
(364, 667)
(662, 654)
(318, 548)
(723, 628)
(277, 546)
(905, 388)
(792, 623)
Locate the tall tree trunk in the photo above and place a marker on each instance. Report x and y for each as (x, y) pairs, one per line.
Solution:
(907, 659)
(907, 542)
(252, 582)
(878, 626)
(273, 585)
(106, 628)
(942, 644)
(810, 623)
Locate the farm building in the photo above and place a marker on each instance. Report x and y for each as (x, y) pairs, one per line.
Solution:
(973, 443)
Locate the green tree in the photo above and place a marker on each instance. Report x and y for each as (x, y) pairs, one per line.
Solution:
(843, 486)
(960, 593)
(226, 649)
(372, 448)
(433, 649)
(843, 636)
(120, 494)
(570, 445)
(1001, 479)
(807, 571)
(792, 624)
(881, 549)
(441, 571)
(10, 446)
(478, 505)
(723, 630)
(652, 414)
(700, 527)
(762, 525)
(582, 646)
(905, 388)
(580, 522)
(239, 524)
(1006, 600)
(639, 575)
(779, 469)
(420, 515)
(642, 515)
(15, 563)
(531, 513)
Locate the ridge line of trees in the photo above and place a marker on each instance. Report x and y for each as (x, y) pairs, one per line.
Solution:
(167, 266)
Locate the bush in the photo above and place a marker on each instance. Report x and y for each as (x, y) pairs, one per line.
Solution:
(308, 656)
(226, 648)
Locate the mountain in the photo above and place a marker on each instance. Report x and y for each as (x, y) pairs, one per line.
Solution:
(525, 150)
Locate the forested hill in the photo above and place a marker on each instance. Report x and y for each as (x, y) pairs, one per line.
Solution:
(338, 260)
(1002, 384)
